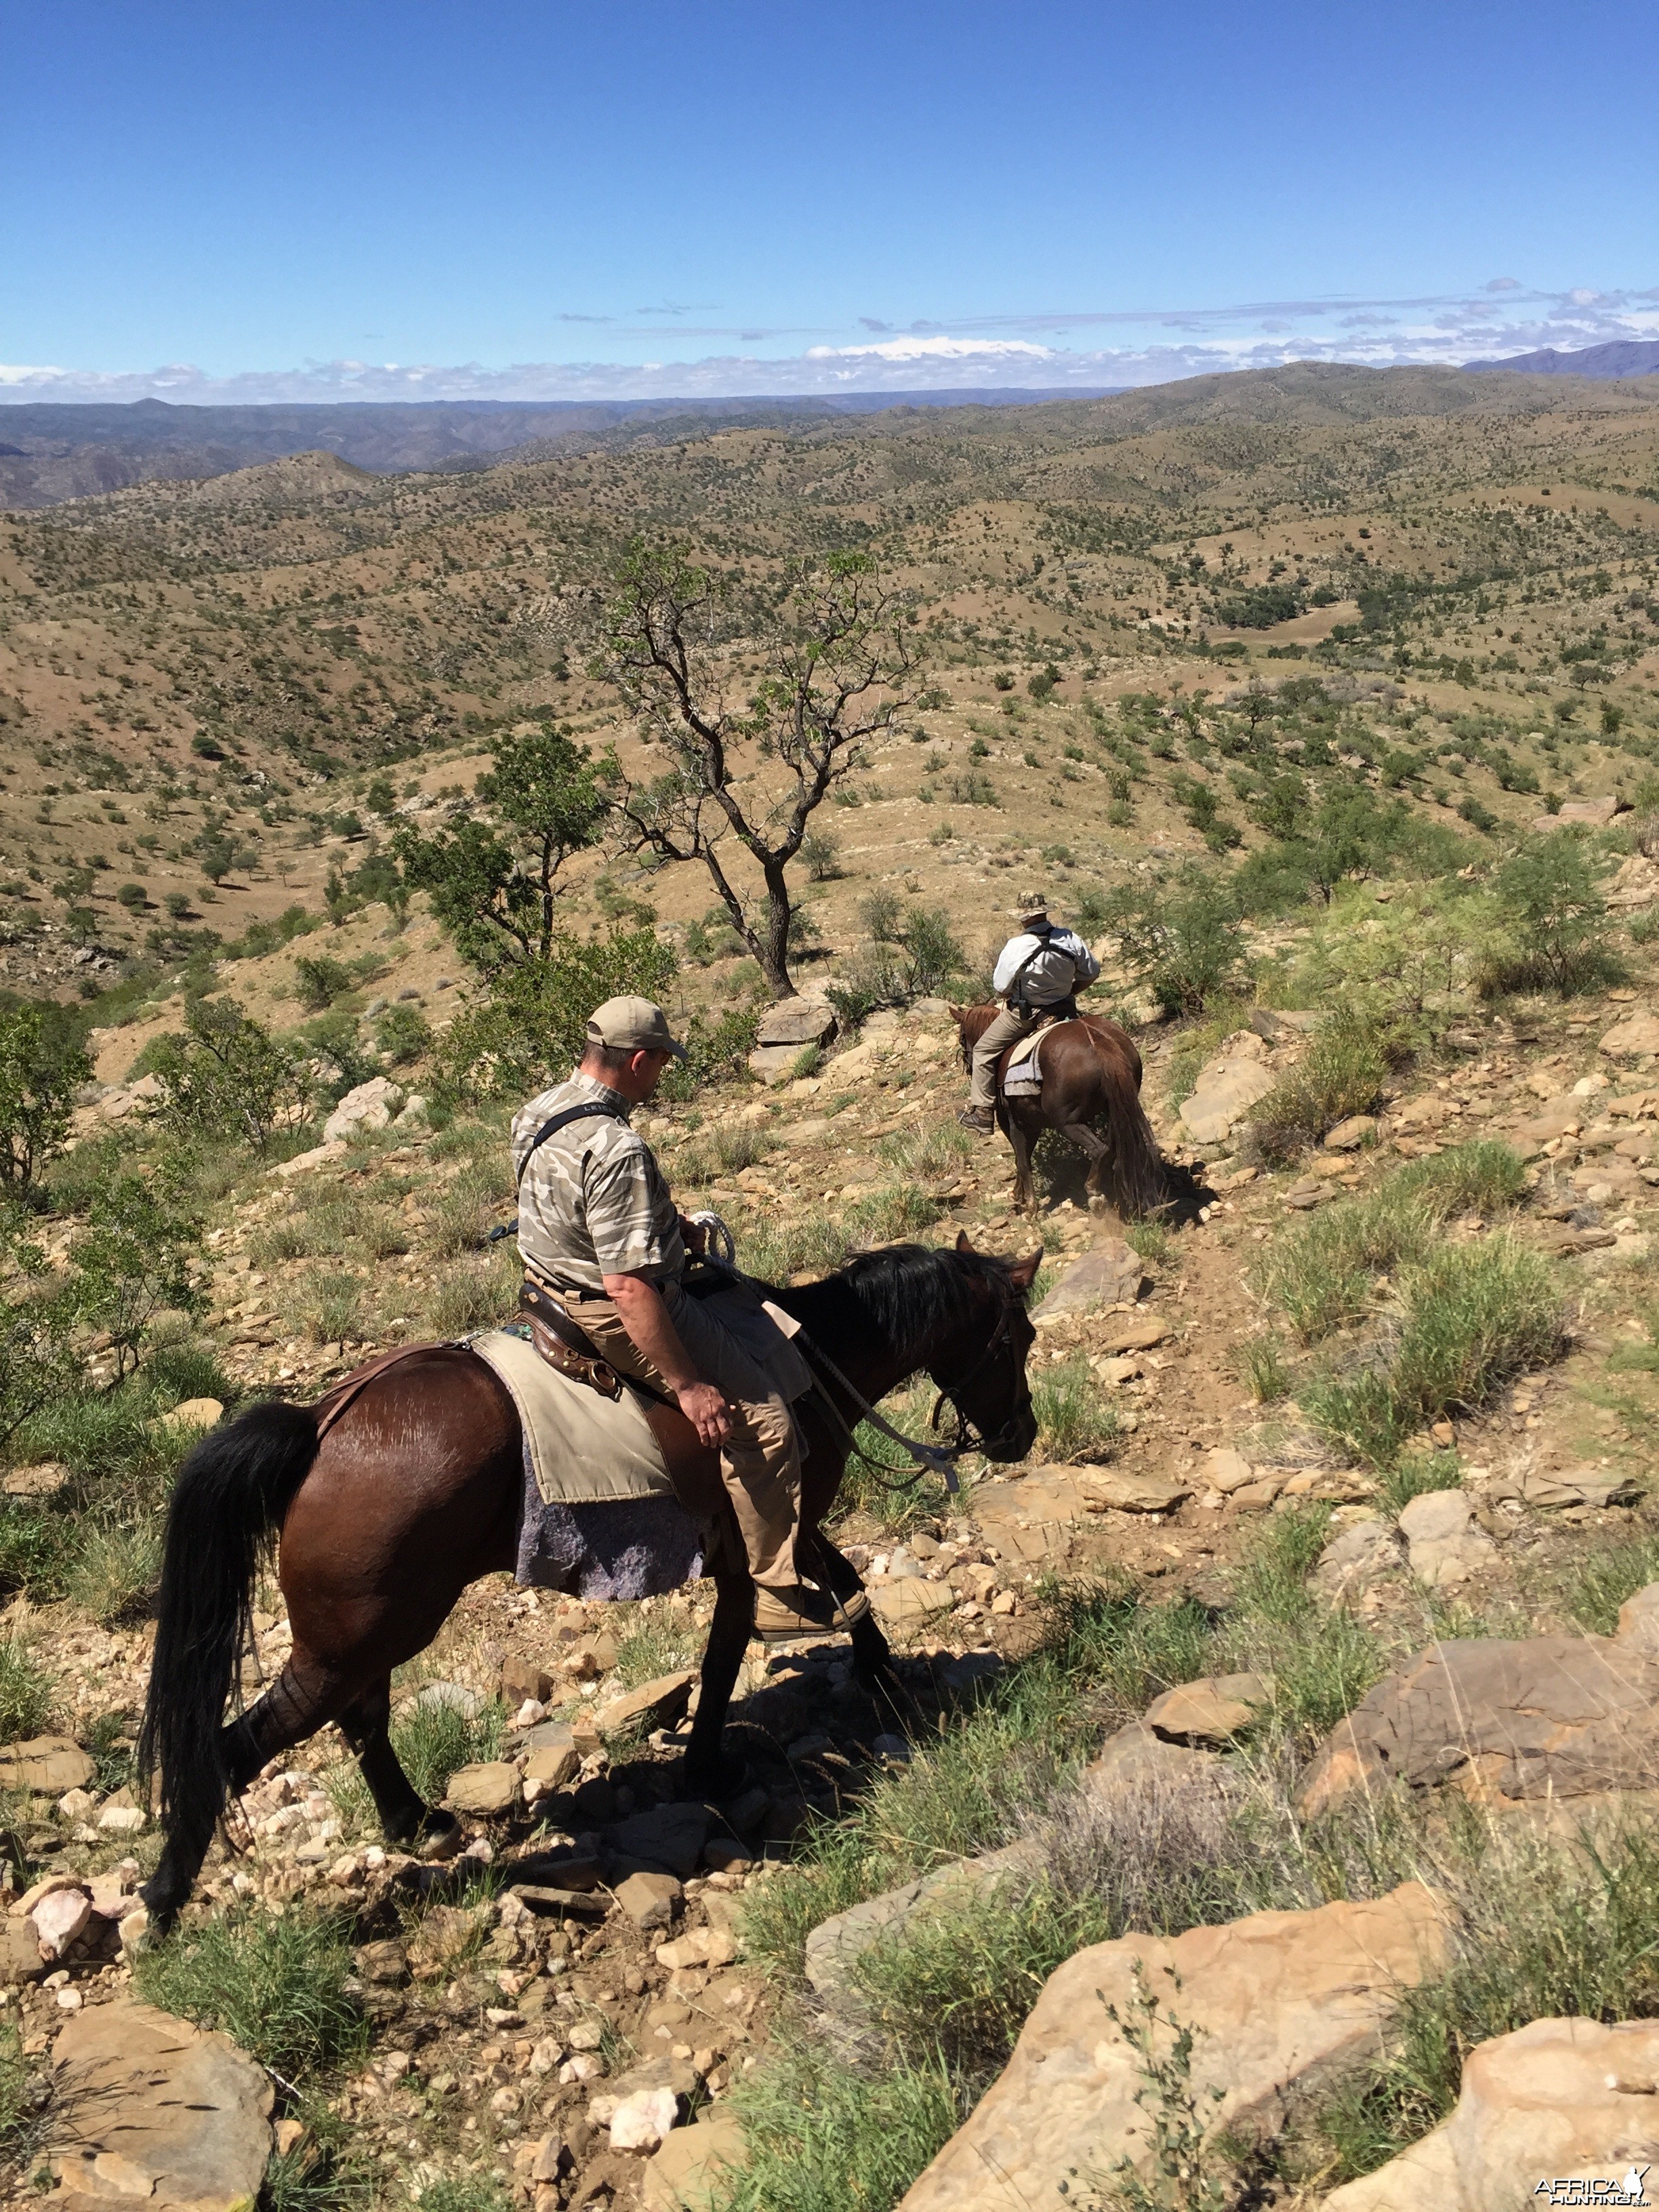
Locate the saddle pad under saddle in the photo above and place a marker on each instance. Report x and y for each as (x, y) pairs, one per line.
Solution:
(1024, 1076)
(584, 1448)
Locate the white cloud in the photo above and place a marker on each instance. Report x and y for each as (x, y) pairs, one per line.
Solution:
(980, 352)
(934, 348)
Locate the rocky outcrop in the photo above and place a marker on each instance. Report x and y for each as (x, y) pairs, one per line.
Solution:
(1502, 1722)
(1236, 1079)
(1445, 1545)
(1279, 2001)
(371, 1105)
(1106, 1276)
(1557, 2098)
(148, 2108)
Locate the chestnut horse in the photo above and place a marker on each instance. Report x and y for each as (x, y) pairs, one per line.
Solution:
(1091, 1075)
(415, 1492)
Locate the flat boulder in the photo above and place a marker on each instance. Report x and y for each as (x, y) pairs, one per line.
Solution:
(1637, 1033)
(149, 2109)
(1105, 1276)
(1133, 1333)
(1236, 1079)
(48, 1764)
(1356, 1558)
(694, 2170)
(666, 1839)
(657, 1704)
(1120, 1490)
(1445, 1544)
(1278, 2002)
(909, 1603)
(1556, 2098)
(797, 1023)
(485, 1790)
(1502, 1722)
(1208, 1713)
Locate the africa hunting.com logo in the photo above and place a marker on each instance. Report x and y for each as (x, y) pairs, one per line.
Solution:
(1585, 2189)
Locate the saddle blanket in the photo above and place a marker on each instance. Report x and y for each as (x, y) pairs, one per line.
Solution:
(1024, 1076)
(584, 1448)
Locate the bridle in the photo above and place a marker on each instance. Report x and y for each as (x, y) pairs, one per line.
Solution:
(936, 1458)
(1000, 1340)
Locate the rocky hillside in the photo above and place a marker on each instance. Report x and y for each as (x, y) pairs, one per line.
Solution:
(1259, 1723)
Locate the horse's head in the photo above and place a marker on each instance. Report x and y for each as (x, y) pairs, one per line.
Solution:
(980, 1368)
(971, 1022)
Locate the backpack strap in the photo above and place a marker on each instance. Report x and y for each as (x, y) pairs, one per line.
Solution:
(555, 1123)
(1015, 996)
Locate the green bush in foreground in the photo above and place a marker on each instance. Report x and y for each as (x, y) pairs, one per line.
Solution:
(275, 1986)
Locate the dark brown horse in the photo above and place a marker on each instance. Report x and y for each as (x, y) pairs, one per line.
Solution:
(415, 1492)
(1091, 1077)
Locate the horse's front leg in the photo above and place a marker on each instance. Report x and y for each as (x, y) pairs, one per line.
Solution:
(873, 1655)
(707, 1773)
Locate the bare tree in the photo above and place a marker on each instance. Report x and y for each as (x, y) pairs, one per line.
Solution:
(828, 663)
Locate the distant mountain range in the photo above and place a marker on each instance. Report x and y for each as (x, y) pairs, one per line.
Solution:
(1618, 357)
(52, 452)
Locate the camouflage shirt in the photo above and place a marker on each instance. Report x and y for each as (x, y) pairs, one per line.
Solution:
(593, 1202)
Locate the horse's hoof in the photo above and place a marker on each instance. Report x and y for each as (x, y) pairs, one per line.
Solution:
(161, 1914)
(711, 1781)
(437, 1837)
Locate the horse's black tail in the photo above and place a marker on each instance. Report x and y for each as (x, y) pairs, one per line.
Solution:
(230, 1498)
(1137, 1163)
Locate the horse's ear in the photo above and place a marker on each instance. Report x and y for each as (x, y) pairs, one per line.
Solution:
(957, 1013)
(963, 1244)
(1022, 1273)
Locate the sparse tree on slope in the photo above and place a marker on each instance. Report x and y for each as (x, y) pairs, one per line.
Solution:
(838, 667)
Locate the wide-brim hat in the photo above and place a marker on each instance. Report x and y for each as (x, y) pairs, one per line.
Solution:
(633, 1025)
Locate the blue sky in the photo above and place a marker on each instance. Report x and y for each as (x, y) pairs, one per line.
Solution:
(544, 201)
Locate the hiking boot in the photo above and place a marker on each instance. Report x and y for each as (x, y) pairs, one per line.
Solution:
(978, 1117)
(783, 1616)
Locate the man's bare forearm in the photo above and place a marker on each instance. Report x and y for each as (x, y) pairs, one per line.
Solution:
(651, 1332)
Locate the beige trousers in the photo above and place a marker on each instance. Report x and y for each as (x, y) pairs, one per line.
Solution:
(760, 1461)
(1007, 1029)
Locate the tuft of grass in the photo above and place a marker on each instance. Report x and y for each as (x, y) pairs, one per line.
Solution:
(661, 1639)
(1265, 1369)
(1601, 1579)
(1074, 1421)
(334, 1307)
(328, 2169)
(116, 1567)
(1321, 1273)
(275, 1986)
(460, 1219)
(24, 1691)
(1341, 1073)
(825, 2137)
(431, 1741)
(1414, 1475)
(1543, 1935)
(464, 1298)
(22, 2111)
(1473, 1315)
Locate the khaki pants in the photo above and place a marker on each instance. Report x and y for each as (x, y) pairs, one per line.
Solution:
(1007, 1029)
(760, 1461)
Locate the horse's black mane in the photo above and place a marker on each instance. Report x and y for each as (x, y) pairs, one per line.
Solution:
(905, 1294)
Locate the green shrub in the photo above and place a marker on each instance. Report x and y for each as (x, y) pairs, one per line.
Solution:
(333, 1306)
(226, 1077)
(531, 1028)
(1549, 895)
(1183, 939)
(41, 1067)
(403, 1035)
(116, 1567)
(275, 1986)
(432, 1740)
(321, 981)
(1602, 1579)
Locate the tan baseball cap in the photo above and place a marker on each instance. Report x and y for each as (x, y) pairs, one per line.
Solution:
(632, 1025)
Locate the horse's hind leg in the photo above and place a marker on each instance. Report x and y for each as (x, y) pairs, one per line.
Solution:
(1019, 1141)
(1097, 1151)
(304, 1696)
(405, 1817)
(706, 1774)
